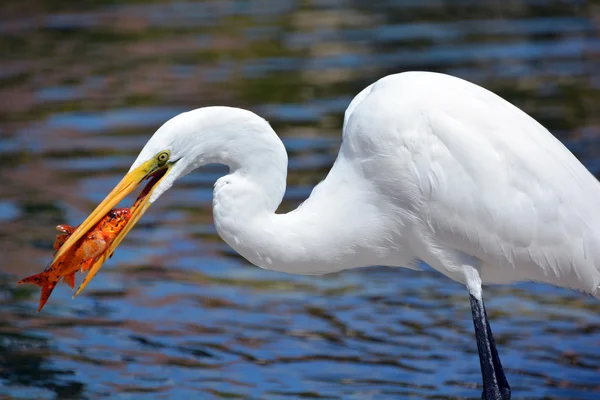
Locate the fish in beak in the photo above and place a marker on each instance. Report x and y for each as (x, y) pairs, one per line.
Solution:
(95, 242)
(153, 170)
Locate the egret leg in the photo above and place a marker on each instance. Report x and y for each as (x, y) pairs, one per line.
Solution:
(499, 371)
(495, 385)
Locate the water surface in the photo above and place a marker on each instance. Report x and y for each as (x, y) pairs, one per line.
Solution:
(176, 313)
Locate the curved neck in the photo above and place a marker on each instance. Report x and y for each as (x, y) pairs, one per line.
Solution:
(341, 225)
(336, 228)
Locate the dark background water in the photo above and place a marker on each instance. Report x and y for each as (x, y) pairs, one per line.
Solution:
(175, 313)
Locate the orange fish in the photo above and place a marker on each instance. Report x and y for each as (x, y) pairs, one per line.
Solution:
(79, 258)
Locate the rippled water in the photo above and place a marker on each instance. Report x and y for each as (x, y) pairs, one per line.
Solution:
(177, 314)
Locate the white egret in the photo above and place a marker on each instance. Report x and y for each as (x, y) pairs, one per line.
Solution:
(431, 168)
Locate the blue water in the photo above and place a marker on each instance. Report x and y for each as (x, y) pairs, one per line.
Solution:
(176, 313)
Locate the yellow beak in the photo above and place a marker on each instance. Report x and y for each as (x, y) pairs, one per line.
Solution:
(150, 169)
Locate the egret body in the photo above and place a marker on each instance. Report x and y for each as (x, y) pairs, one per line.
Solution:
(431, 168)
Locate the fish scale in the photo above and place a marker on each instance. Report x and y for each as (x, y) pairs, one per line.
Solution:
(79, 258)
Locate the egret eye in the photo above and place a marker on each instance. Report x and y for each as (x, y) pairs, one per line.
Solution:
(163, 157)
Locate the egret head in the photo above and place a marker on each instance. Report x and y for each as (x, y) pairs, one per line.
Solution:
(185, 142)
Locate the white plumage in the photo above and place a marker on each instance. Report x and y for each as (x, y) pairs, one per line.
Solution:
(431, 168)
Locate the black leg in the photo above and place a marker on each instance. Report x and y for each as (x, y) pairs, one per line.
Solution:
(495, 385)
(498, 370)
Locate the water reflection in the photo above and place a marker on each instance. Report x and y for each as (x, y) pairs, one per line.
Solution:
(176, 313)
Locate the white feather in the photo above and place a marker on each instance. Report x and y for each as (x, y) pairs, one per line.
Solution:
(431, 168)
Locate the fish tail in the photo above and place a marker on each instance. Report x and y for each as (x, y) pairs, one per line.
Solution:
(38, 279)
(41, 280)
(45, 295)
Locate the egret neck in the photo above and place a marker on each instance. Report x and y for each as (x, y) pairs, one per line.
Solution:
(307, 240)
